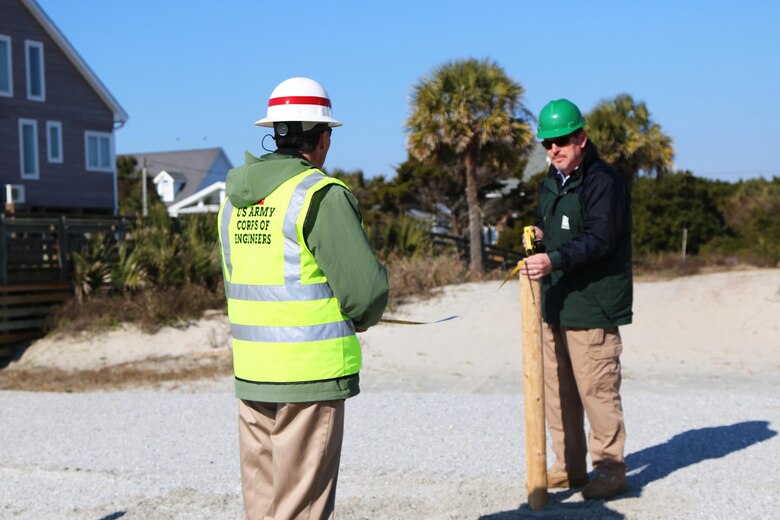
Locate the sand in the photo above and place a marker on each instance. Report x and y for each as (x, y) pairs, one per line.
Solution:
(717, 326)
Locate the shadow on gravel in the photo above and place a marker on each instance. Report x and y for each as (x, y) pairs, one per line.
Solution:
(114, 516)
(691, 447)
(596, 510)
(651, 464)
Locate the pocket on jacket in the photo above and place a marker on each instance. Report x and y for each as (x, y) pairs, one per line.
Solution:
(604, 343)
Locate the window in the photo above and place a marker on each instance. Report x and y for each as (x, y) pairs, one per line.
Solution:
(6, 68)
(99, 151)
(28, 148)
(54, 141)
(36, 84)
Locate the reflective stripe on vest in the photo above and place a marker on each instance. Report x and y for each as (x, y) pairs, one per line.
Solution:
(289, 328)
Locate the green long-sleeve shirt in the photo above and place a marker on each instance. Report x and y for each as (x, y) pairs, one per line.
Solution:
(334, 234)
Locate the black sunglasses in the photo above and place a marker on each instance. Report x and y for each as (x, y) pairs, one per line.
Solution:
(560, 142)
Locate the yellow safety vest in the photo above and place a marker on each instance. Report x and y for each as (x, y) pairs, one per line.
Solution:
(287, 325)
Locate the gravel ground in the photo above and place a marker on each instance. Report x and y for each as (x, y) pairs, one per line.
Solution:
(701, 397)
(694, 452)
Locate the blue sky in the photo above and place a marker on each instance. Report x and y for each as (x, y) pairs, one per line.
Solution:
(192, 73)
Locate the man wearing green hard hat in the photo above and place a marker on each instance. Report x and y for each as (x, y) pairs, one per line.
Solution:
(584, 223)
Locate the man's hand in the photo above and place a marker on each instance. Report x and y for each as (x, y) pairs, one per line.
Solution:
(538, 233)
(536, 266)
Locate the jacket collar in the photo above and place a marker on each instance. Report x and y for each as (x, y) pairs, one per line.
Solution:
(589, 159)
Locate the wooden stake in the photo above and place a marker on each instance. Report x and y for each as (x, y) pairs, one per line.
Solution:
(533, 392)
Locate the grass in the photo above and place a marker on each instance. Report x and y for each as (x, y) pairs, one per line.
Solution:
(151, 373)
(665, 266)
(421, 275)
(150, 310)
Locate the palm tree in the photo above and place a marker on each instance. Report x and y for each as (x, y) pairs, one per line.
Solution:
(628, 139)
(467, 116)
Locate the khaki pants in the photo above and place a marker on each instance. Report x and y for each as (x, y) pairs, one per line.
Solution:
(582, 373)
(290, 454)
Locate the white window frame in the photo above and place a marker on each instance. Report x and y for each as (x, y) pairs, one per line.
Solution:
(99, 135)
(165, 189)
(37, 173)
(28, 44)
(10, 91)
(49, 156)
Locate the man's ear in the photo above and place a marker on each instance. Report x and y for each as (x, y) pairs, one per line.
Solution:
(321, 143)
(582, 139)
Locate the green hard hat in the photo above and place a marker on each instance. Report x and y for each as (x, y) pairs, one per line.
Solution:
(559, 117)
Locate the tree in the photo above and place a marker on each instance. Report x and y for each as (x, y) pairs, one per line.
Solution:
(523, 214)
(751, 210)
(130, 190)
(432, 189)
(663, 207)
(628, 139)
(467, 116)
(374, 195)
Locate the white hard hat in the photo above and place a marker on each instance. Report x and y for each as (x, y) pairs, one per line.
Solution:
(299, 99)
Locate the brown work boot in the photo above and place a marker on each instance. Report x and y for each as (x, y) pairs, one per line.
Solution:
(605, 486)
(561, 479)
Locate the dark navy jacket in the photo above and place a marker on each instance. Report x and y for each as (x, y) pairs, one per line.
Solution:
(587, 234)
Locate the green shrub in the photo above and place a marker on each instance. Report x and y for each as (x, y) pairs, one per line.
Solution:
(400, 237)
(752, 213)
(149, 309)
(663, 207)
(128, 273)
(91, 272)
(168, 269)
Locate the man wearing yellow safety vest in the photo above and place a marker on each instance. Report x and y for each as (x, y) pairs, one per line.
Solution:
(585, 226)
(301, 280)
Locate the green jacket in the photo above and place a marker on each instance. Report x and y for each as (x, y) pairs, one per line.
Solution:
(587, 235)
(334, 234)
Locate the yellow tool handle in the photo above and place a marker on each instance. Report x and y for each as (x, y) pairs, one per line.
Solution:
(528, 240)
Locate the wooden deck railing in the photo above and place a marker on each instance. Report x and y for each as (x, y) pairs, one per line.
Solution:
(37, 248)
(36, 268)
(23, 310)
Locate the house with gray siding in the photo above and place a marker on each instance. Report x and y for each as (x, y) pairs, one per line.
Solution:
(187, 181)
(57, 120)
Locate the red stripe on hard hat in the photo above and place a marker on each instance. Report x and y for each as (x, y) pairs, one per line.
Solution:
(299, 100)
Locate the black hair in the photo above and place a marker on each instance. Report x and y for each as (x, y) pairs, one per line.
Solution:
(296, 139)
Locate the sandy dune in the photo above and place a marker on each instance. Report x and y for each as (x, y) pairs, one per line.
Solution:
(715, 326)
